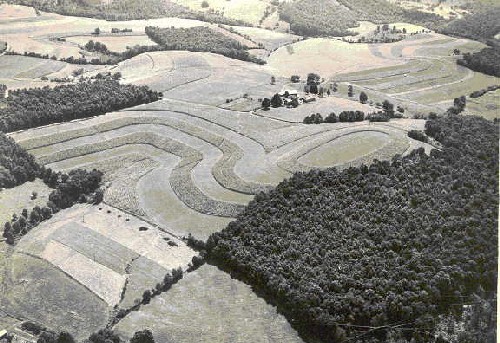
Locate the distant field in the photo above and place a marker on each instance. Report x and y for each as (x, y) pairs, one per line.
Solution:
(208, 303)
(14, 200)
(487, 106)
(248, 11)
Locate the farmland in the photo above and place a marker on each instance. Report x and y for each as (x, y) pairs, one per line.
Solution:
(193, 159)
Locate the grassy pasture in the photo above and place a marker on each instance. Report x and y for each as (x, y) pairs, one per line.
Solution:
(487, 106)
(345, 149)
(15, 12)
(27, 67)
(14, 200)
(270, 39)
(208, 303)
(40, 292)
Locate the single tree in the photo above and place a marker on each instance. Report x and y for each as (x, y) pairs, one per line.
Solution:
(144, 336)
(363, 98)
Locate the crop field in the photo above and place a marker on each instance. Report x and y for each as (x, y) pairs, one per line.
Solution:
(14, 200)
(208, 303)
(487, 106)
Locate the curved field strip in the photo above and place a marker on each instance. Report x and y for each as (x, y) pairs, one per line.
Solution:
(222, 169)
(162, 205)
(398, 144)
(183, 185)
(122, 194)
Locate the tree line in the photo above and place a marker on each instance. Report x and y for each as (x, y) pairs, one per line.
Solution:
(346, 255)
(200, 39)
(28, 108)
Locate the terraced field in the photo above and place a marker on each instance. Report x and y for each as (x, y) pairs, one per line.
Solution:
(190, 162)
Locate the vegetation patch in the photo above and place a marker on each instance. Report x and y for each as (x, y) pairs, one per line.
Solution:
(368, 250)
(201, 39)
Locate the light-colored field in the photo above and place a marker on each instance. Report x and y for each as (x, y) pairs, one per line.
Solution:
(117, 43)
(248, 11)
(210, 306)
(104, 282)
(345, 149)
(15, 12)
(270, 39)
(326, 57)
(14, 200)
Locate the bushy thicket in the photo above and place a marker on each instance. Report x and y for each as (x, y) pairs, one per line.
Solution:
(484, 61)
(28, 108)
(481, 26)
(418, 135)
(125, 10)
(480, 93)
(375, 253)
(200, 38)
(16, 165)
(335, 17)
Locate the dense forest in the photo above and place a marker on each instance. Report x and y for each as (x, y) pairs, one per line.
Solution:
(125, 10)
(480, 26)
(334, 18)
(16, 165)
(201, 39)
(377, 253)
(484, 61)
(28, 108)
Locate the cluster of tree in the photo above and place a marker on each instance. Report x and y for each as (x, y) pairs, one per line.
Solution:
(96, 47)
(317, 18)
(375, 253)
(121, 10)
(200, 38)
(16, 165)
(115, 30)
(480, 26)
(484, 61)
(102, 336)
(78, 186)
(418, 135)
(335, 17)
(458, 105)
(480, 93)
(28, 108)
(344, 116)
(379, 116)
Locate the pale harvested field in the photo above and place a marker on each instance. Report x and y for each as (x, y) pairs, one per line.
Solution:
(248, 11)
(14, 200)
(13, 12)
(101, 280)
(327, 57)
(208, 303)
(270, 39)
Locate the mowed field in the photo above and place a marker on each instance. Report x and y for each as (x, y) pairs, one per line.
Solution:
(209, 306)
